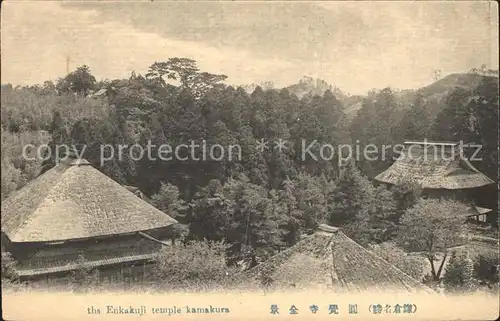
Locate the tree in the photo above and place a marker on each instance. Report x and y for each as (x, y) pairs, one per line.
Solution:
(486, 268)
(168, 200)
(483, 107)
(84, 277)
(187, 73)
(8, 266)
(436, 74)
(454, 121)
(311, 206)
(406, 195)
(197, 265)
(431, 227)
(353, 204)
(285, 209)
(48, 87)
(11, 178)
(415, 122)
(374, 125)
(89, 135)
(183, 70)
(383, 221)
(352, 197)
(80, 81)
(253, 229)
(459, 275)
(483, 69)
(60, 136)
(211, 213)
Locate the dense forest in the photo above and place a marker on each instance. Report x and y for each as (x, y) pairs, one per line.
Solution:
(266, 201)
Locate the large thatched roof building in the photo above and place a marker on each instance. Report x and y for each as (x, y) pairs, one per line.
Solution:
(441, 170)
(434, 166)
(328, 258)
(73, 210)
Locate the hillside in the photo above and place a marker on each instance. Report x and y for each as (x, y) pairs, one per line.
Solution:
(309, 86)
(444, 85)
(435, 93)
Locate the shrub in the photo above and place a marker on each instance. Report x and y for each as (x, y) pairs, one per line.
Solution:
(486, 268)
(17, 169)
(28, 109)
(8, 265)
(459, 273)
(83, 278)
(195, 265)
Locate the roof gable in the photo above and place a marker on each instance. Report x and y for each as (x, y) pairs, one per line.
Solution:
(76, 201)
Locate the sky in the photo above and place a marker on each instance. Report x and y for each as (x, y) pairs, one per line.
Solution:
(355, 46)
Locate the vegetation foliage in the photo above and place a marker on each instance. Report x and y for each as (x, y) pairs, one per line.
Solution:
(264, 202)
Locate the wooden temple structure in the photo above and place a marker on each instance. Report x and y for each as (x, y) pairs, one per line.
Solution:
(441, 171)
(74, 211)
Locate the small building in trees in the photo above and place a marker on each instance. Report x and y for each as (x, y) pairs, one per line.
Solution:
(442, 171)
(330, 259)
(75, 217)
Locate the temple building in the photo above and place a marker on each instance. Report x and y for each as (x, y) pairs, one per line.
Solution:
(441, 171)
(328, 259)
(73, 216)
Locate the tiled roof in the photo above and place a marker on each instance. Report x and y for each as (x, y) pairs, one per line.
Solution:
(330, 258)
(434, 166)
(75, 201)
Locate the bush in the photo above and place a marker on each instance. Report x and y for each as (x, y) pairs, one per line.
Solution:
(195, 265)
(83, 278)
(459, 273)
(8, 265)
(486, 268)
(26, 109)
(17, 169)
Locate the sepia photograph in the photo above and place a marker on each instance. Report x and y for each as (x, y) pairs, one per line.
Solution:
(249, 160)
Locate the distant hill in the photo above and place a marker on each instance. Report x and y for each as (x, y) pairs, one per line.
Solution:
(309, 86)
(450, 82)
(435, 93)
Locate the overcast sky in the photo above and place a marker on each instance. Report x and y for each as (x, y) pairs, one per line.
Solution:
(355, 46)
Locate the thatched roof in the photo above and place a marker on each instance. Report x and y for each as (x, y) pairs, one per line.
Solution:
(330, 258)
(434, 166)
(75, 201)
